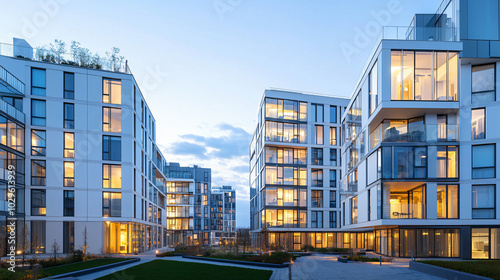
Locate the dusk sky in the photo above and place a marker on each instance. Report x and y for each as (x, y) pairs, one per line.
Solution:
(203, 65)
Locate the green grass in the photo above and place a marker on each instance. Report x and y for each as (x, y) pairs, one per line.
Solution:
(483, 268)
(80, 265)
(162, 269)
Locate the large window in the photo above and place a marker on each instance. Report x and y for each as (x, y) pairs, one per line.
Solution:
(317, 199)
(69, 145)
(414, 76)
(318, 135)
(111, 204)
(404, 162)
(333, 136)
(317, 112)
(111, 119)
(483, 161)
(483, 83)
(317, 219)
(111, 91)
(69, 115)
(284, 175)
(333, 199)
(403, 201)
(69, 85)
(447, 201)
(478, 123)
(38, 142)
(37, 112)
(333, 114)
(286, 109)
(38, 203)
(68, 237)
(38, 82)
(284, 218)
(69, 174)
(447, 162)
(69, 204)
(111, 148)
(354, 210)
(11, 134)
(483, 202)
(373, 86)
(316, 178)
(286, 132)
(285, 197)
(316, 156)
(286, 155)
(333, 219)
(38, 172)
(38, 237)
(333, 179)
(111, 176)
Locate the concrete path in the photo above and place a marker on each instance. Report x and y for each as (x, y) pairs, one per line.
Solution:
(304, 268)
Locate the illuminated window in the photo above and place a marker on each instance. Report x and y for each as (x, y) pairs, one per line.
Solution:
(69, 174)
(111, 119)
(38, 142)
(317, 199)
(333, 136)
(38, 203)
(111, 176)
(69, 145)
(111, 91)
(354, 210)
(447, 201)
(447, 161)
(111, 204)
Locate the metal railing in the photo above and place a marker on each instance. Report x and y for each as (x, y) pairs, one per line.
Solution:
(415, 133)
(86, 60)
(11, 80)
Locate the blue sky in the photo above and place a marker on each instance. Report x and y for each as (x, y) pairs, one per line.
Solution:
(204, 64)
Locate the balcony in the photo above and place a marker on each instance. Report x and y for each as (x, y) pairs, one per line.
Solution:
(12, 111)
(412, 33)
(414, 133)
(9, 83)
(81, 60)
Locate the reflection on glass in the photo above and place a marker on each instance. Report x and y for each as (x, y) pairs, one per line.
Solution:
(483, 83)
(478, 123)
(396, 75)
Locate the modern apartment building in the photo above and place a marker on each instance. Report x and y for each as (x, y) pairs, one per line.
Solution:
(82, 140)
(199, 229)
(295, 169)
(420, 146)
(223, 214)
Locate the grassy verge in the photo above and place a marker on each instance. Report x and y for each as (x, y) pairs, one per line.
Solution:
(274, 257)
(81, 265)
(483, 268)
(159, 269)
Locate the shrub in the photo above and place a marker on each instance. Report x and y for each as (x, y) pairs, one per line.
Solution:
(278, 257)
(165, 254)
(308, 248)
(77, 255)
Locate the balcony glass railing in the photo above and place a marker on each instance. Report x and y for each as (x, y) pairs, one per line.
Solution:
(11, 80)
(12, 111)
(75, 59)
(416, 133)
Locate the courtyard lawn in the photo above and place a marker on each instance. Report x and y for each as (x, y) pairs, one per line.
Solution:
(80, 265)
(162, 269)
(485, 268)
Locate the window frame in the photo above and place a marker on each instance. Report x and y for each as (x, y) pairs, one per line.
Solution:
(494, 201)
(37, 87)
(107, 151)
(66, 91)
(43, 199)
(67, 205)
(36, 117)
(447, 201)
(494, 81)
(68, 181)
(108, 124)
(33, 147)
(484, 122)
(494, 161)
(43, 179)
(68, 123)
(67, 150)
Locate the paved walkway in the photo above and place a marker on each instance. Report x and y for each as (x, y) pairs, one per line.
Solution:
(304, 268)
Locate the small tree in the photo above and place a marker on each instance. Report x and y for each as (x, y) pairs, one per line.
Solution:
(58, 49)
(115, 59)
(35, 245)
(24, 241)
(85, 245)
(55, 248)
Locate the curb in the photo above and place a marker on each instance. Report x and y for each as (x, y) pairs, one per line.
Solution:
(445, 272)
(93, 269)
(238, 262)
